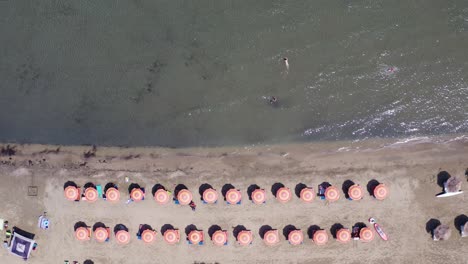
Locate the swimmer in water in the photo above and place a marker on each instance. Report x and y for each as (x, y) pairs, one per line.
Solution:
(273, 100)
(286, 63)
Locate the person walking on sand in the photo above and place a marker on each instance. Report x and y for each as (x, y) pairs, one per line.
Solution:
(193, 205)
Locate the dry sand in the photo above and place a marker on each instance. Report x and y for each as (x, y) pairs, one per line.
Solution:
(410, 171)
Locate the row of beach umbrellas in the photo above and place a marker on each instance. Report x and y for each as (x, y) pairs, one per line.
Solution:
(219, 236)
(209, 195)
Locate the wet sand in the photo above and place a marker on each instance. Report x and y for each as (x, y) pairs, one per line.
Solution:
(410, 170)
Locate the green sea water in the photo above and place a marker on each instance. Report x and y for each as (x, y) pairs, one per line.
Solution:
(199, 73)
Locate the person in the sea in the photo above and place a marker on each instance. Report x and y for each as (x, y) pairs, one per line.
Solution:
(273, 100)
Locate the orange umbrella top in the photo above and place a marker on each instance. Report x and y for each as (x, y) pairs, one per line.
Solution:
(148, 236)
(72, 193)
(137, 194)
(101, 234)
(320, 237)
(245, 237)
(307, 194)
(184, 197)
(283, 195)
(112, 194)
(123, 237)
(295, 237)
(82, 233)
(355, 192)
(258, 196)
(366, 234)
(219, 237)
(195, 236)
(343, 235)
(91, 194)
(233, 196)
(381, 191)
(172, 236)
(210, 196)
(161, 196)
(271, 237)
(332, 194)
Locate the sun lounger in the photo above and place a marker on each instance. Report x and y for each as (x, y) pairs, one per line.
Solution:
(99, 189)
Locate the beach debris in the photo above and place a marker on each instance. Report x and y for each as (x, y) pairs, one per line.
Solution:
(442, 232)
(453, 184)
(49, 151)
(8, 150)
(90, 153)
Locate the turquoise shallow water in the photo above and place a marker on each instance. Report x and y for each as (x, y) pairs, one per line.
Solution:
(188, 73)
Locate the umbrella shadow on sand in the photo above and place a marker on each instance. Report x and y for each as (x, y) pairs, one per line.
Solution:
(311, 230)
(79, 224)
(69, 183)
(237, 229)
(178, 188)
(98, 225)
(442, 177)
(120, 227)
(190, 228)
(334, 229)
(345, 187)
(371, 186)
(251, 189)
(226, 188)
(166, 227)
(133, 186)
(88, 261)
(287, 229)
(276, 187)
(156, 187)
(299, 188)
(431, 225)
(203, 188)
(213, 229)
(263, 229)
(460, 221)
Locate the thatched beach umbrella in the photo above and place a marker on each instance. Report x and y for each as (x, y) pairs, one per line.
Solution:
(271, 237)
(283, 195)
(72, 193)
(295, 237)
(161, 196)
(442, 232)
(381, 191)
(82, 233)
(91, 194)
(245, 237)
(195, 236)
(332, 194)
(172, 236)
(219, 237)
(453, 184)
(355, 192)
(307, 194)
(320, 237)
(258, 196)
(122, 237)
(112, 195)
(343, 235)
(210, 196)
(184, 197)
(101, 234)
(233, 196)
(148, 236)
(366, 234)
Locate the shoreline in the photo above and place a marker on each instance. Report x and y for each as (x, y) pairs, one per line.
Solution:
(409, 169)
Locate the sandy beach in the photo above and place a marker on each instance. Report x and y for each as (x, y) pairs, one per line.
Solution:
(408, 169)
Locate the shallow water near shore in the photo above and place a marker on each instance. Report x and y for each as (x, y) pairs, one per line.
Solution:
(178, 74)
